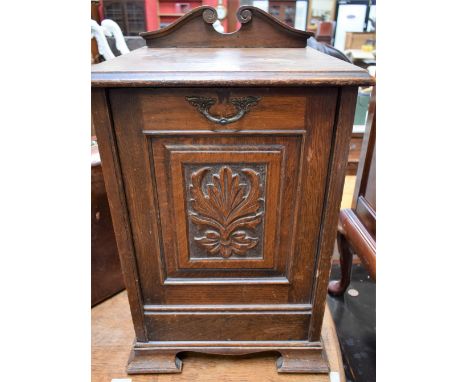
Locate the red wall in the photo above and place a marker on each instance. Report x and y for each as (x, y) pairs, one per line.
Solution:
(152, 19)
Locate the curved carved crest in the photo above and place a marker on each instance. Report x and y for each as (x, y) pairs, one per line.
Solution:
(226, 210)
(258, 30)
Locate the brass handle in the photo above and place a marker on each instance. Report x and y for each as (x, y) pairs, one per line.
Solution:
(242, 105)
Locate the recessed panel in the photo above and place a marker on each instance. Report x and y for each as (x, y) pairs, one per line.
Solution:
(224, 207)
(228, 196)
(225, 210)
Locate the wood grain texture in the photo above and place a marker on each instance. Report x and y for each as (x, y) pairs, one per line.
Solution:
(226, 207)
(174, 122)
(357, 226)
(102, 121)
(162, 109)
(157, 199)
(112, 337)
(227, 67)
(232, 326)
(106, 274)
(258, 29)
(336, 176)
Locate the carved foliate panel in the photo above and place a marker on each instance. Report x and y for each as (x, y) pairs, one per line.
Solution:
(226, 210)
(226, 204)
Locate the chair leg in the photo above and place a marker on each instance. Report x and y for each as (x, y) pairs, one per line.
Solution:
(337, 288)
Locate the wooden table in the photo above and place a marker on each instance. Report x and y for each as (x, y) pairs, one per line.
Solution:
(360, 58)
(113, 334)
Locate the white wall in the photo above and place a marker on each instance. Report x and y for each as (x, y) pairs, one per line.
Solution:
(301, 15)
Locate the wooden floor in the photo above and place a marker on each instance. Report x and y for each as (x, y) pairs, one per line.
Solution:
(348, 191)
(112, 336)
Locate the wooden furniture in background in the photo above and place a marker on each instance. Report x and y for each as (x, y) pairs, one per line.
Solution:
(130, 15)
(95, 17)
(355, 146)
(171, 10)
(224, 171)
(320, 10)
(135, 16)
(112, 334)
(357, 226)
(106, 274)
(355, 40)
(324, 32)
(285, 11)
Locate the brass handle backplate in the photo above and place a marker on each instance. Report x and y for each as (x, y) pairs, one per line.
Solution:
(242, 105)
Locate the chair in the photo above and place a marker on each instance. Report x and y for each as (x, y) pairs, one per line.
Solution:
(357, 225)
(324, 31)
(106, 274)
(108, 28)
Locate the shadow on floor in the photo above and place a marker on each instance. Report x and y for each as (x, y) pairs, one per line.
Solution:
(355, 325)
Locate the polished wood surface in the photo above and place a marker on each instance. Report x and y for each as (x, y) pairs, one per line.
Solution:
(357, 225)
(225, 198)
(112, 337)
(360, 239)
(258, 30)
(226, 67)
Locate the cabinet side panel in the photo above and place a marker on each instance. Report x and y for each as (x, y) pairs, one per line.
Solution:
(320, 116)
(336, 174)
(113, 181)
(142, 201)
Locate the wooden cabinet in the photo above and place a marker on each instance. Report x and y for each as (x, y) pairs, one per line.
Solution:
(171, 10)
(224, 159)
(130, 15)
(283, 10)
(106, 274)
(355, 40)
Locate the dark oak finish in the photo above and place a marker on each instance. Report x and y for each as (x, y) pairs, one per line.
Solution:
(258, 30)
(227, 67)
(106, 274)
(354, 153)
(112, 334)
(357, 226)
(225, 197)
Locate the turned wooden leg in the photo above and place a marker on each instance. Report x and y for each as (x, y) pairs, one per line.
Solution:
(302, 361)
(149, 362)
(337, 288)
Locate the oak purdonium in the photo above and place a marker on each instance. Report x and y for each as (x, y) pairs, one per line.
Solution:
(224, 166)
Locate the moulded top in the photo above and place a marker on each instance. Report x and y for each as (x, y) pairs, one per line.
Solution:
(263, 52)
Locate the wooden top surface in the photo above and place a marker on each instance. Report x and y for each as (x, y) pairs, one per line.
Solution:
(112, 338)
(180, 67)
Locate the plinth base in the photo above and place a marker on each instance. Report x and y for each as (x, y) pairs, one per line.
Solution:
(161, 357)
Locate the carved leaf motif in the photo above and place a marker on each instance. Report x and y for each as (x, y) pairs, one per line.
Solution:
(227, 206)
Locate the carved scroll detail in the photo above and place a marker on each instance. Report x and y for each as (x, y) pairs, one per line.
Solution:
(227, 208)
(258, 30)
